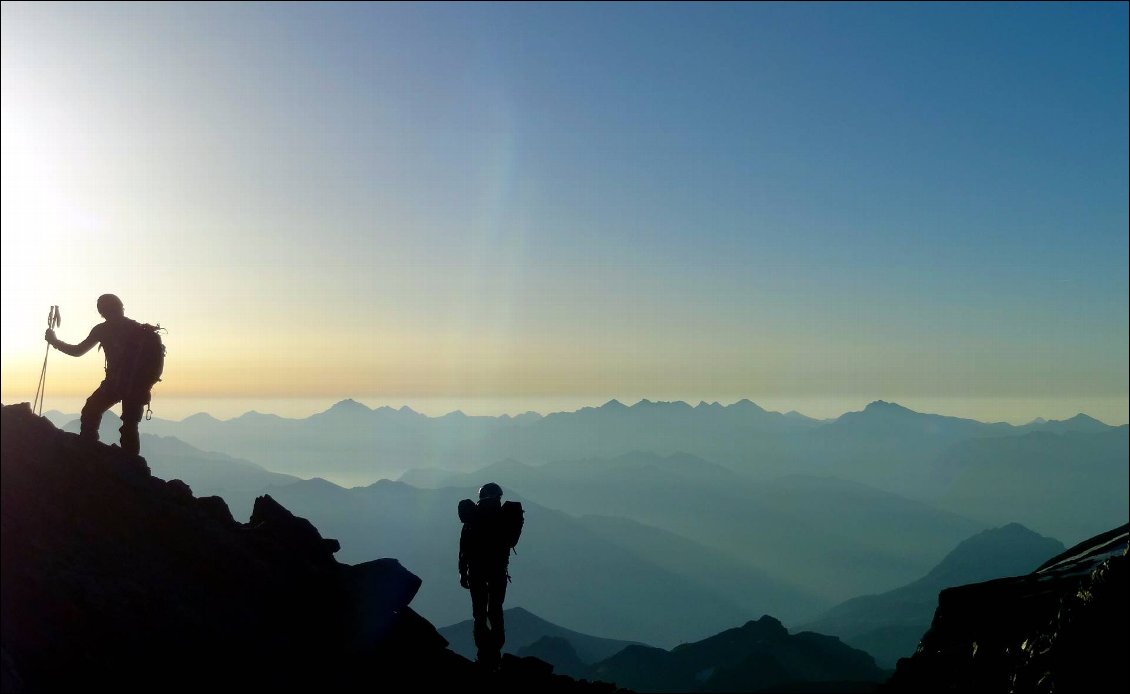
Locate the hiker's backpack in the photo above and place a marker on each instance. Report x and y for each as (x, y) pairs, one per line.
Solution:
(513, 518)
(146, 360)
(510, 520)
(467, 510)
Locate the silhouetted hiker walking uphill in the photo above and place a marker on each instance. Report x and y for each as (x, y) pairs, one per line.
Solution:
(490, 530)
(135, 359)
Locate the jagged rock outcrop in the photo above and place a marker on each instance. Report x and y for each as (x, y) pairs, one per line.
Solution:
(1062, 628)
(115, 580)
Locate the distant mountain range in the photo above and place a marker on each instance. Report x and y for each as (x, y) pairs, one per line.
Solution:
(890, 625)
(884, 444)
(931, 458)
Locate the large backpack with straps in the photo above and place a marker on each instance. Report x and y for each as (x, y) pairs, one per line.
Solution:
(145, 356)
(512, 518)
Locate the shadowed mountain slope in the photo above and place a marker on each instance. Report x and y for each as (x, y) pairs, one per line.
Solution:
(889, 626)
(1071, 485)
(524, 628)
(759, 656)
(560, 653)
(115, 580)
(827, 537)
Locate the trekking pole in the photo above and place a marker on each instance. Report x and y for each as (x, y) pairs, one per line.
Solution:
(54, 320)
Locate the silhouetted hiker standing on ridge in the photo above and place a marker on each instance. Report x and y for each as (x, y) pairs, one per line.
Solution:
(134, 361)
(490, 530)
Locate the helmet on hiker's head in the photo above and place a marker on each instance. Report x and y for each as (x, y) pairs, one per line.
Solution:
(490, 490)
(110, 306)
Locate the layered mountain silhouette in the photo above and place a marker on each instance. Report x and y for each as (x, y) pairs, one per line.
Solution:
(1061, 628)
(733, 530)
(780, 528)
(890, 625)
(116, 580)
(925, 457)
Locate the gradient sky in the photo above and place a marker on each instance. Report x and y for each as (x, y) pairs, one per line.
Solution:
(802, 202)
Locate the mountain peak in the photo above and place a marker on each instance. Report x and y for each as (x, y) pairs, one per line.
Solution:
(199, 417)
(349, 405)
(1082, 418)
(656, 404)
(1011, 548)
(768, 625)
(747, 404)
(613, 404)
(884, 406)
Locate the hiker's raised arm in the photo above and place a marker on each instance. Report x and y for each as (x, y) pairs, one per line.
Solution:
(69, 349)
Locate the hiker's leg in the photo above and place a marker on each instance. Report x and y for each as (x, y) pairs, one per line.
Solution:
(96, 405)
(132, 407)
(495, 598)
(479, 614)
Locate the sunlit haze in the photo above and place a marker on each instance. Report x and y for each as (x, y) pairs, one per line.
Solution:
(504, 207)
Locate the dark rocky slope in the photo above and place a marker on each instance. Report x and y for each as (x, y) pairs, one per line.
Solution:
(1061, 628)
(115, 580)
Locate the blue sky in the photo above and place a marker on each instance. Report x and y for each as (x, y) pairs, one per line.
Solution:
(917, 202)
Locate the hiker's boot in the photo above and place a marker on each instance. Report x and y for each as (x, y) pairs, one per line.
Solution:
(131, 440)
(88, 439)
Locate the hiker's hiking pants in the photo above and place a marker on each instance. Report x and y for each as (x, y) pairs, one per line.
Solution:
(106, 396)
(487, 596)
